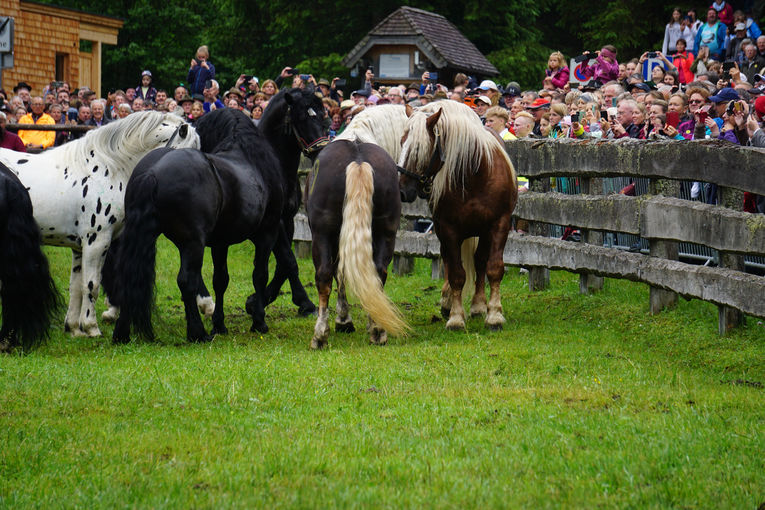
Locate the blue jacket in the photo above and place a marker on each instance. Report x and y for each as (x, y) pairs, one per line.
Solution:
(197, 77)
(721, 33)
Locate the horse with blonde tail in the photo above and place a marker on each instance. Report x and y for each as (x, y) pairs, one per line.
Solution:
(354, 207)
(462, 169)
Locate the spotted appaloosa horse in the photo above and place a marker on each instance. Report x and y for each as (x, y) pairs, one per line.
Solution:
(78, 193)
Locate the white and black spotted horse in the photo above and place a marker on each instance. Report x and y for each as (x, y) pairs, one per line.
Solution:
(78, 194)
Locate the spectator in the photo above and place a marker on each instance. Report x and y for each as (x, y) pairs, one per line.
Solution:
(682, 59)
(482, 104)
(130, 94)
(544, 126)
(161, 97)
(605, 69)
(394, 95)
(138, 104)
(180, 92)
(23, 91)
(37, 139)
(678, 103)
(693, 25)
(9, 140)
(701, 61)
(83, 115)
(751, 63)
(712, 34)
(211, 101)
(755, 203)
(557, 71)
(752, 29)
(257, 113)
(761, 46)
(97, 109)
(200, 71)
(537, 109)
(197, 110)
(523, 125)
(734, 44)
(674, 31)
(184, 110)
(720, 102)
(270, 89)
(724, 11)
(624, 126)
(697, 99)
(490, 90)
(496, 119)
(123, 110)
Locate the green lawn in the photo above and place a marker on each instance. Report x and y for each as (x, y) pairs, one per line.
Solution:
(582, 401)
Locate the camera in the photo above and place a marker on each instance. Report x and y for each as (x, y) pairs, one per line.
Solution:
(371, 68)
(582, 58)
(247, 79)
(292, 72)
(305, 77)
(208, 84)
(651, 54)
(734, 107)
(340, 82)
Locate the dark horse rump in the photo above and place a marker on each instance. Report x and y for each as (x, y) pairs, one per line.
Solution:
(27, 292)
(230, 191)
(354, 208)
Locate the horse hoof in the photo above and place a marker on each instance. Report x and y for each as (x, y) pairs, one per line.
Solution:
(77, 332)
(445, 312)
(455, 324)
(119, 340)
(495, 327)
(307, 310)
(345, 327)
(201, 340)
(378, 338)
(259, 328)
(223, 330)
(93, 332)
(111, 315)
(318, 343)
(249, 305)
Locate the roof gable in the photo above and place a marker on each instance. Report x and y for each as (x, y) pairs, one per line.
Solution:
(435, 31)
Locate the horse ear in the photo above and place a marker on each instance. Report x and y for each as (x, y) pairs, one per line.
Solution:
(433, 119)
(183, 131)
(409, 110)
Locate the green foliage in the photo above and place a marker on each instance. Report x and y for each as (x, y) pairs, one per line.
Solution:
(327, 67)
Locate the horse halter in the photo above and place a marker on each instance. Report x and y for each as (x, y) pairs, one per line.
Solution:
(437, 159)
(175, 133)
(308, 148)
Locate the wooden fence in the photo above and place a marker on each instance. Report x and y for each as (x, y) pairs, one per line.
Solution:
(659, 217)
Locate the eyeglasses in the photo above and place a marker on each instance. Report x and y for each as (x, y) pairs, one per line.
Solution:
(696, 101)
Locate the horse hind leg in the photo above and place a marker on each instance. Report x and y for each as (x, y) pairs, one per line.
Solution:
(478, 304)
(189, 282)
(220, 284)
(343, 320)
(495, 271)
(112, 311)
(321, 328)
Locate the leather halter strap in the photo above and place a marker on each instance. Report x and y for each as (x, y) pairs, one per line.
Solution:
(437, 159)
(307, 148)
(175, 133)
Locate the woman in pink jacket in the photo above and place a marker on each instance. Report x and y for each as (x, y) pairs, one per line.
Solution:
(557, 71)
(606, 68)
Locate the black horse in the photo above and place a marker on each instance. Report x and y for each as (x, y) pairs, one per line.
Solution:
(289, 144)
(27, 292)
(354, 208)
(232, 190)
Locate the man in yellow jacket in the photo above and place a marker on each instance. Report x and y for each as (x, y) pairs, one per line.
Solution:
(37, 139)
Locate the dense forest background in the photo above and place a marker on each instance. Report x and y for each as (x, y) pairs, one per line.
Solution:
(260, 38)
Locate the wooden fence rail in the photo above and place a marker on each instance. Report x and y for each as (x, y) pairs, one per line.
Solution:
(662, 220)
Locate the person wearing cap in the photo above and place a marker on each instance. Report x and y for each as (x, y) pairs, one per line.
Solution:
(412, 92)
(537, 109)
(720, 102)
(360, 96)
(482, 103)
(145, 91)
(37, 139)
(184, 109)
(23, 90)
(324, 86)
(711, 34)
(733, 47)
(489, 89)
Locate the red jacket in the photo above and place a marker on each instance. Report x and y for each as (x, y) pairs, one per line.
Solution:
(12, 141)
(683, 63)
(725, 14)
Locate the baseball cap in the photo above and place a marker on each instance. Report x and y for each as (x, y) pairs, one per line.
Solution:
(740, 26)
(759, 106)
(146, 73)
(724, 95)
(484, 99)
(540, 103)
(488, 85)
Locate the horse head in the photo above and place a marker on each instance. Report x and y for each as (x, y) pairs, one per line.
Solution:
(417, 173)
(305, 120)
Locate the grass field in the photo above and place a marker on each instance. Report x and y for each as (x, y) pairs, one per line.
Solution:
(582, 401)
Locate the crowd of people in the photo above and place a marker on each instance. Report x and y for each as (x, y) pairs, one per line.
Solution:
(707, 81)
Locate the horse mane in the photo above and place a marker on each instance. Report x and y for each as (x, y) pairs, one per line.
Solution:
(227, 128)
(120, 142)
(466, 145)
(382, 125)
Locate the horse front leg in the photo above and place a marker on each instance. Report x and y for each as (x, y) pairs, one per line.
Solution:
(190, 282)
(263, 247)
(495, 271)
(72, 321)
(450, 252)
(478, 304)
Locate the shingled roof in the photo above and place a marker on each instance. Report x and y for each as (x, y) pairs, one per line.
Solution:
(440, 40)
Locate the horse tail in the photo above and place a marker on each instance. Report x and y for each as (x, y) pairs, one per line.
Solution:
(356, 266)
(467, 252)
(27, 291)
(135, 271)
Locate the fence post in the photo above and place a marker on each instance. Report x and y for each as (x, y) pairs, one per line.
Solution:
(437, 269)
(302, 249)
(659, 299)
(727, 317)
(588, 282)
(539, 277)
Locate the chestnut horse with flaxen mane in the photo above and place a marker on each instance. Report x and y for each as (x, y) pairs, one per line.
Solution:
(462, 168)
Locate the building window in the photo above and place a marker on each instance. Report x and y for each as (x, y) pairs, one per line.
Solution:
(394, 65)
(62, 67)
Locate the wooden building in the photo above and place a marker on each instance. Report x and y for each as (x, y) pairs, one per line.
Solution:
(56, 43)
(411, 41)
